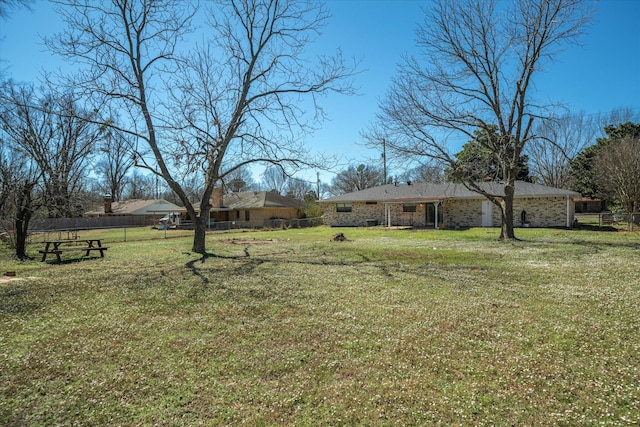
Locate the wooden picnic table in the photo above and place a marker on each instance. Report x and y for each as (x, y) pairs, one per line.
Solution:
(57, 247)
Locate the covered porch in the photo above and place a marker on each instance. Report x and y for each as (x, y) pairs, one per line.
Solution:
(428, 212)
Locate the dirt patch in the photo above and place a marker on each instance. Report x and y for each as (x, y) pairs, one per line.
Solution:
(249, 241)
(7, 279)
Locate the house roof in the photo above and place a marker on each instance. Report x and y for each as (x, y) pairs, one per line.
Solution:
(259, 199)
(139, 207)
(423, 192)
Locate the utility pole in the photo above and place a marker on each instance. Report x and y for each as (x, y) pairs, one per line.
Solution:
(384, 159)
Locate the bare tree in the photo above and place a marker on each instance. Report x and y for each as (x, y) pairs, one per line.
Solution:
(228, 105)
(20, 175)
(6, 5)
(274, 178)
(424, 173)
(117, 159)
(242, 103)
(54, 132)
(479, 59)
(378, 137)
(140, 186)
(24, 199)
(356, 178)
(298, 188)
(6, 186)
(559, 140)
(241, 179)
(64, 154)
(617, 168)
(617, 116)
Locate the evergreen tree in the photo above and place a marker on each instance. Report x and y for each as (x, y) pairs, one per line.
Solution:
(477, 163)
(584, 178)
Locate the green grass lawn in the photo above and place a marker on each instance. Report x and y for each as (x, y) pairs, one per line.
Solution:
(286, 327)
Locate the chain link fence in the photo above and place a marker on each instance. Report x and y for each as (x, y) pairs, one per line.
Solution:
(126, 227)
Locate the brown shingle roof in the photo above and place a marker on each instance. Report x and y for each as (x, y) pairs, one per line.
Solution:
(259, 199)
(136, 206)
(422, 192)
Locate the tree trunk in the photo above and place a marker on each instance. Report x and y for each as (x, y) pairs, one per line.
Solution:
(21, 232)
(20, 240)
(506, 207)
(200, 233)
(23, 217)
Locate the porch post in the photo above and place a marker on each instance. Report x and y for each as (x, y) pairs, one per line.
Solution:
(568, 211)
(435, 205)
(387, 214)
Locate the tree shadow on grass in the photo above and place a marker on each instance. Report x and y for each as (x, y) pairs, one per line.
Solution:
(251, 262)
(586, 243)
(66, 261)
(191, 265)
(247, 267)
(591, 227)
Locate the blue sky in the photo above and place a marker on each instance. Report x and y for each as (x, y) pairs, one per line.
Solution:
(600, 75)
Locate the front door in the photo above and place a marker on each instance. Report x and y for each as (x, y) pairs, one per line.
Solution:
(487, 213)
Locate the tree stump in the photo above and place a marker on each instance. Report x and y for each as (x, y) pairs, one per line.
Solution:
(339, 237)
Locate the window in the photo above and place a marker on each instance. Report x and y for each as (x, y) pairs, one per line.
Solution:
(343, 207)
(247, 216)
(409, 207)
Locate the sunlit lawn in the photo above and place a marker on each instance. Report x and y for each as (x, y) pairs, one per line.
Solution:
(286, 327)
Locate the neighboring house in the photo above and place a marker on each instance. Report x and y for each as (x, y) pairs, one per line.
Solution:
(246, 209)
(449, 205)
(150, 209)
(589, 205)
(253, 208)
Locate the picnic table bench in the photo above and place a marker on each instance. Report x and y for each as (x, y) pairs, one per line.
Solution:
(57, 247)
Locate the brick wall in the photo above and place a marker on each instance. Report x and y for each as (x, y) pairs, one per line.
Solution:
(541, 212)
(413, 219)
(462, 213)
(360, 213)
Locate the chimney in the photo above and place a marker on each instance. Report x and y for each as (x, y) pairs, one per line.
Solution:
(107, 203)
(216, 197)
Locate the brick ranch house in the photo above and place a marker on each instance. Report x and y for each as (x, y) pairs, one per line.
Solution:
(449, 206)
(253, 208)
(150, 209)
